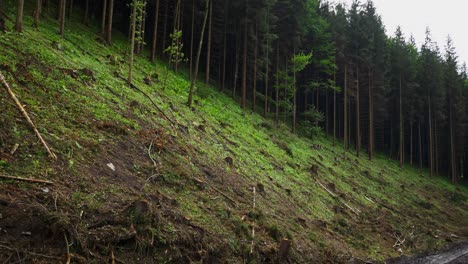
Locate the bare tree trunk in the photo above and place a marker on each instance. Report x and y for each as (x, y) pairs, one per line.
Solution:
(326, 113)
(295, 92)
(223, 82)
(420, 145)
(103, 19)
(86, 13)
(254, 92)
(62, 18)
(155, 31)
(109, 22)
(334, 109)
(436, 147)
(191, 39)
(236, 70)
(431, 144)
(19, 16)
(166, 14)
(132, 48)
(70, 11)
(37, 13)
(452, 147)
(192, 86)
(208, 50)
(244, 67)
(402, 147)
(267, 68)
(371, 117)
(411, 143)
(277, 83)
(358, 118)
(345, 120)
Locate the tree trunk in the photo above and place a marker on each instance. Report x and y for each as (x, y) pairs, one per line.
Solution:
(103, 19)
(452, 147)
(334, 109)
(155, 32)
(86, 13)
(254, 92)
(277, 83)
(109, 22)
(70, 11)
(411, 143)
(62, 18)
(236, 70)
(132, 34)
(166, 14)
(294, 96)
(192, 34)
(174, 29)
(358, 118)
(141, 36)
(345, 107)
(208, 50)
(244, 67)
(371, 117)
(436, 148)
(37, 13)
(223, 84)
(431, 144)
(192, 85)
(19, 16)
(326, 113)
(402, 147)
(420, 146)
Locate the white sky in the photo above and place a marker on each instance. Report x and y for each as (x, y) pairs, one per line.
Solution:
(448, 17)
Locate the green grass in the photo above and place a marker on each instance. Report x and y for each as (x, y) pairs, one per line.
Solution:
(71, 112)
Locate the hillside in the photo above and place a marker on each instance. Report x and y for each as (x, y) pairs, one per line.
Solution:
(134, 186)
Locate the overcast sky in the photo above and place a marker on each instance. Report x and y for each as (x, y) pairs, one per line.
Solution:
(448, 17)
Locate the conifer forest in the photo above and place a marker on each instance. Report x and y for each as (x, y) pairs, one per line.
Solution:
(221, 131)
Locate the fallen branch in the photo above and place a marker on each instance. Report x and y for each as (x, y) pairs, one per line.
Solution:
(26, 115)
(218, 191)
(151, 100)
(68, 249)
(13, 150)
(354, 210)
(25, 179)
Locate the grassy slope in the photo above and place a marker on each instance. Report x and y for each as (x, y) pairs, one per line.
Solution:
(92, 122)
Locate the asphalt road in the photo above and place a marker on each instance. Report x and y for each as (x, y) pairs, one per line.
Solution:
(456, 254)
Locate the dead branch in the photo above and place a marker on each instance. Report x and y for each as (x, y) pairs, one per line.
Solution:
(218, 191)
(354, 210)
(151, 100)
(150, 156)
(25, 179)
(26, 115)
(400, 240)
(68, 249)
(13, 150)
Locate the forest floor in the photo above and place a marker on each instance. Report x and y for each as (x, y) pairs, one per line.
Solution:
(133, 186)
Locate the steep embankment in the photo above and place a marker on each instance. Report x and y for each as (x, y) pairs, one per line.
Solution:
(133, 186)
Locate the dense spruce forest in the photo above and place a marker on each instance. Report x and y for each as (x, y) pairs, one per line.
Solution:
(308, 63)
(218, 131)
